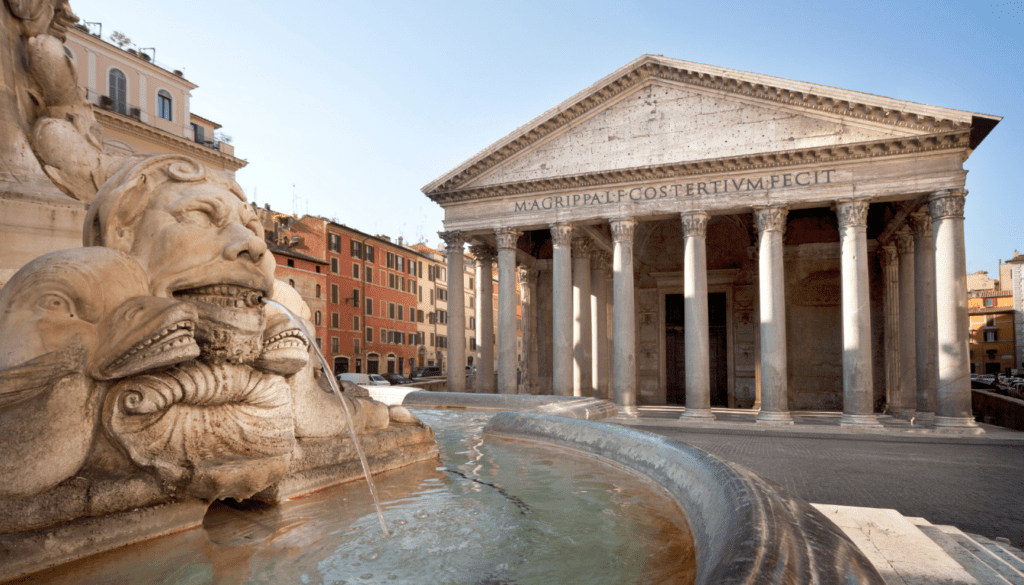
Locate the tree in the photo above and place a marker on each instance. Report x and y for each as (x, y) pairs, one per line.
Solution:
(120, 39)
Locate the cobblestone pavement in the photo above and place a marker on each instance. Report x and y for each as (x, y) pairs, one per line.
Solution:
(977, 488)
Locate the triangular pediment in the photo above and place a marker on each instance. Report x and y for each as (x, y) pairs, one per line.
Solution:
(657, 111)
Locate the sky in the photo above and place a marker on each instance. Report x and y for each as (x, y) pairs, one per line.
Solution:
(347, 109)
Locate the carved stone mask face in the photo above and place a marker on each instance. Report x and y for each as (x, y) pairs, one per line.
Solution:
(200, 243)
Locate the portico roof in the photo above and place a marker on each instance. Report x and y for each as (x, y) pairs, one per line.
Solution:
(873, 125)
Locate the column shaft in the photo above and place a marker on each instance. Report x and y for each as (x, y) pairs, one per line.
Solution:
(924, 315)
(456, 311)
(582, 376)
(953, 391)
(507, 352)
(695, 316)
(891, 271)
(858, 389)
(908, 330)
(599, 321)
(562, 326)
(529, 284)
(484, 381)
(624, 349)
(771, 224)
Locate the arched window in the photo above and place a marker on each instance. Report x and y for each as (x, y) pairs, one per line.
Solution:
(317, 318)
(372, 364)
(291, 283)
(163, 104)
(118, 91)
(391, 363)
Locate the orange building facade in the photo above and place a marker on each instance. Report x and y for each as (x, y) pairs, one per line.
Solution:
(992, 331)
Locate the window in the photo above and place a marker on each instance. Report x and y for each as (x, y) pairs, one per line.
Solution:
(988, 302)
(334, 294)
(355, 322)
(391, 280)
(399, 263)
(118, 91)
(430, 273)
(369, 275)
(442, 317)
(391, 310)
(334, 243)
(431, 297)
(401, 313)
(990, 335)
(369, 335)
(421, 294)
(341, 365)
(369, 253)
(355, 298)
(318, 318)
(472, 344)
(369, 306)
(291, 283)
(163, 104)
(359, 361)
(318, 288)
(198, 133)
(470, 283)
(335, 321)
(335, 342)
(319, 342)
(291, 263)
(419, 316)
(355, 271)
(383, 335)
(419, 269)
(472, 322)
(334, 265)
(390, 259)
(318, 269)
(355, 350)
(442, 294)
(412, 286)
(356, 250)
(391, 364)
(431, 339)
(519, 324)
(401, 283)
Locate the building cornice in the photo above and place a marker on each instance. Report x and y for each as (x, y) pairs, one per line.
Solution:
(139, 129)
(958, 139)
(647, 69)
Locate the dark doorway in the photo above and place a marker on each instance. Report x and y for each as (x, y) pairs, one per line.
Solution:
(993, 367)
(675, 350)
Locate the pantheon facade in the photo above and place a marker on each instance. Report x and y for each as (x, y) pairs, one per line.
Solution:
(689, 234)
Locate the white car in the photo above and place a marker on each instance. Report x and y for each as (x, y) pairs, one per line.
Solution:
(363, 379)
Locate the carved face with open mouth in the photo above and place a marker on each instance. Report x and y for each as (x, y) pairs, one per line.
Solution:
(143, 334)
(201, 244)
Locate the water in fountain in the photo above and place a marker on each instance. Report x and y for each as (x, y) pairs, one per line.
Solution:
(311, 339)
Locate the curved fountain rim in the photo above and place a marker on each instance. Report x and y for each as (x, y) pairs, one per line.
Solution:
(745, 528)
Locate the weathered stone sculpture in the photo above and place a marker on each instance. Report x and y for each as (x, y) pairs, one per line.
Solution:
(144, 372)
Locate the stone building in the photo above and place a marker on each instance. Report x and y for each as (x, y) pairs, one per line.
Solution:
(710, 237)
(433, 328)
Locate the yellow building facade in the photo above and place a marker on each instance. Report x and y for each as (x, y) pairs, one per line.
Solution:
(992, 331)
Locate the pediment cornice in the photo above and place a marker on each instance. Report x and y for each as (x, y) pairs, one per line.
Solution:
(958, 139)
(928, 120)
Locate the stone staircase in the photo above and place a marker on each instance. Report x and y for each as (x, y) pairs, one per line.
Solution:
(912, 551)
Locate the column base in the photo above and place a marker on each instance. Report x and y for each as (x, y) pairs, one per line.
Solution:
(628, 411)
(908, 413)
(697, 415)
(766, 417)
(925, 419)
(957, 425)
(859, 421)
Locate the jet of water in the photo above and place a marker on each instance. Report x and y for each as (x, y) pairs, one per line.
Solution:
(337, 391)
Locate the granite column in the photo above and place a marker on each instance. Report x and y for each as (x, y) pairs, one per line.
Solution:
(507, 352)
(624, 348)
(561, 317)
(771, 226)
(891, 275)
(924, 314)
(456, 310)
(484, 382)
(908, 329)
(695, 315)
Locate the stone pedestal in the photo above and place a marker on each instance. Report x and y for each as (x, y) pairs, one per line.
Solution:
(771, 224)
(624, 350)
(953, 377)
(695, 314)
(561, 275)
(858, 403)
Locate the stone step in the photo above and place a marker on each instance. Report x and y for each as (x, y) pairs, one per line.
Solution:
(1007, 553)
(986, 556)
(982, 572)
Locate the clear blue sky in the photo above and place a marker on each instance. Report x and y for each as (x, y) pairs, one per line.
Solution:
(358, 105)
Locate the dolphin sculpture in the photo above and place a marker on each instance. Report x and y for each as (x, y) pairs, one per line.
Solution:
(71, 322)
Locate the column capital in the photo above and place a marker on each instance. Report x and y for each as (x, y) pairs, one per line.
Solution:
(581, 247)
(921, 224)
(561, 234)
(482, 253)
(452, 239)
(852, 212)
(695, 223)
(890, 258)
(507, 237)
(771, 218)
(599, 259)
(905, 241)
(622, 229)
(947, 204)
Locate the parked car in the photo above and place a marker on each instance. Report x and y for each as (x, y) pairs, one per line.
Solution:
(397, 379)
(363, 379)
(427, 372)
